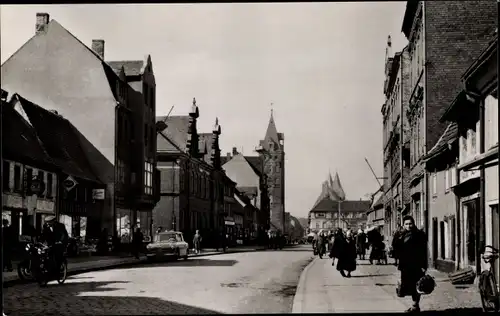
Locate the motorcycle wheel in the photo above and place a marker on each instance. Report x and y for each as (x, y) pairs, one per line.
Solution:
(63, 273)
(23, 270)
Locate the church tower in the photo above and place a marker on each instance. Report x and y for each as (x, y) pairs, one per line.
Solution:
(272, 152)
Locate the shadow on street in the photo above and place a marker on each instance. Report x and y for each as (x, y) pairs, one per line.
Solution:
(454, 311)
(369, 275)
(89, 298)
(191, 262)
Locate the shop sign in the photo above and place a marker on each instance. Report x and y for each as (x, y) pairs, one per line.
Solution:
(98, 194)
(69, 183)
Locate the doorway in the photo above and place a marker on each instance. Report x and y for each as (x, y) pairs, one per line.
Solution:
(470, 208)
(434, 240)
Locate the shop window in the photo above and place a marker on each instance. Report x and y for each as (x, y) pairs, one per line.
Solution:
(123, 225)
(144, 223)
(6, 176)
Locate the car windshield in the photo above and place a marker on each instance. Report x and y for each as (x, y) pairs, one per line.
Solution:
(173, 237)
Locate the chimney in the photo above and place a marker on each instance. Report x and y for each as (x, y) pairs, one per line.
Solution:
(42, 19)
(98, 47)
(235, 151)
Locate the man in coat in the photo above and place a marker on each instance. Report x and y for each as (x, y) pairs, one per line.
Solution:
(411, 247)
(55, 235)
(361, 244)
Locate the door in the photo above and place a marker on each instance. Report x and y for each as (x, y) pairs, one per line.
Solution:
(496, 238)
(470, 232)
(434, 240)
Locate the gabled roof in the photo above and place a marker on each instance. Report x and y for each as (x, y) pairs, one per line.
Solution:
(329, 205)
(449, 136)
(175, 136)
(256, 163)
(131, 67)
(22, 144)
(60, 140)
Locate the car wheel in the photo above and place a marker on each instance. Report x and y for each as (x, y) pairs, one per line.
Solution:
(186, 257)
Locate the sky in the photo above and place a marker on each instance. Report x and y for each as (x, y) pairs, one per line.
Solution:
(320, 65)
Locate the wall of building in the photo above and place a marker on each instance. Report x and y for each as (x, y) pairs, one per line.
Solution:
(456, 33)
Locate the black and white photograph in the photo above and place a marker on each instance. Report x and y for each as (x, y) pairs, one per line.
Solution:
(250, 158)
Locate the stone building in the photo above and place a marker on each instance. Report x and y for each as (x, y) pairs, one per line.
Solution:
(328, 213)
(108, 106)
(444, 37)
(396, 137)
(475, 112)
(195, 192)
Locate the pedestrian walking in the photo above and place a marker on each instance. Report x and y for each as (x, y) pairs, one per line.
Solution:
(344, 249)
(137, 240)
(197, 242)
(8, 245)
(361, 244)
(412, 255)
(321, 244)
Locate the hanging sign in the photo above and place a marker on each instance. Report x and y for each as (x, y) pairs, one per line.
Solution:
(69, 183)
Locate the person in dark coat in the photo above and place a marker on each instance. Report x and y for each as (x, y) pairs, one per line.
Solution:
(137, 240)
(376, 241)
(344, 249)
(412, 255)
(361, 244)
(55, 235)
(321, 244)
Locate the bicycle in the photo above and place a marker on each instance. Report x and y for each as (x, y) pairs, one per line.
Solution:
(488, 286)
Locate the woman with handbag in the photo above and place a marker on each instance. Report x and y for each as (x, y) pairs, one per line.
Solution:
(412, 255)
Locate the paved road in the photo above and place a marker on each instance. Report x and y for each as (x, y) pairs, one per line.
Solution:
(253, 282)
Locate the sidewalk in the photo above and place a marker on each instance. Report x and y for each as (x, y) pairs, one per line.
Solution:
(92, 263)
(372, 288)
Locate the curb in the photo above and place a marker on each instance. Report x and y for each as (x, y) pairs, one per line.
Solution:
(299, 292)
(14, 280)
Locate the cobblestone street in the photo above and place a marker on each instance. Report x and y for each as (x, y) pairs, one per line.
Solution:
(253, 282)
(372, 288)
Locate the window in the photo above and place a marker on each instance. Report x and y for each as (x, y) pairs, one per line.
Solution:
(434, 184)
(29, 176)
(17, 178)
(6, 176)
(447, 180)
(41, 176)
(148, 178)
(50, 183)
(320, 215)
(120, 171)
(491, 105)
(442, 239)
(317, 225)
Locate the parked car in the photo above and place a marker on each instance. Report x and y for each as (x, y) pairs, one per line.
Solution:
(168, 244)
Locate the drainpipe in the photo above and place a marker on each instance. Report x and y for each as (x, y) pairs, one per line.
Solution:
(458, 247)
(482, 191)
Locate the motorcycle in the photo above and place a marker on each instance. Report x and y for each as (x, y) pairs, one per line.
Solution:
(43, 267)
(24, 267)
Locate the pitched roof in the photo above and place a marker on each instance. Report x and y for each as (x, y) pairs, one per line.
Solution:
(60, 140)
(131, 67)
(22, 144)
(256, 163)
(328, 205)
(175, 136)
(449, 136)
(271, 134)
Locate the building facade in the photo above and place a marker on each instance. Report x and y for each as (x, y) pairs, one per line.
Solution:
(475, 111)
(109, 102)
(396, 137)
(441, 162)
(444, 38)
(70, 188)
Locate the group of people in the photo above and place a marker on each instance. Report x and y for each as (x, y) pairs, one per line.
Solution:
(409, 247)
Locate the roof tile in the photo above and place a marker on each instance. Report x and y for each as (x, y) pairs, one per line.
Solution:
(175, 136)
(132, 67)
